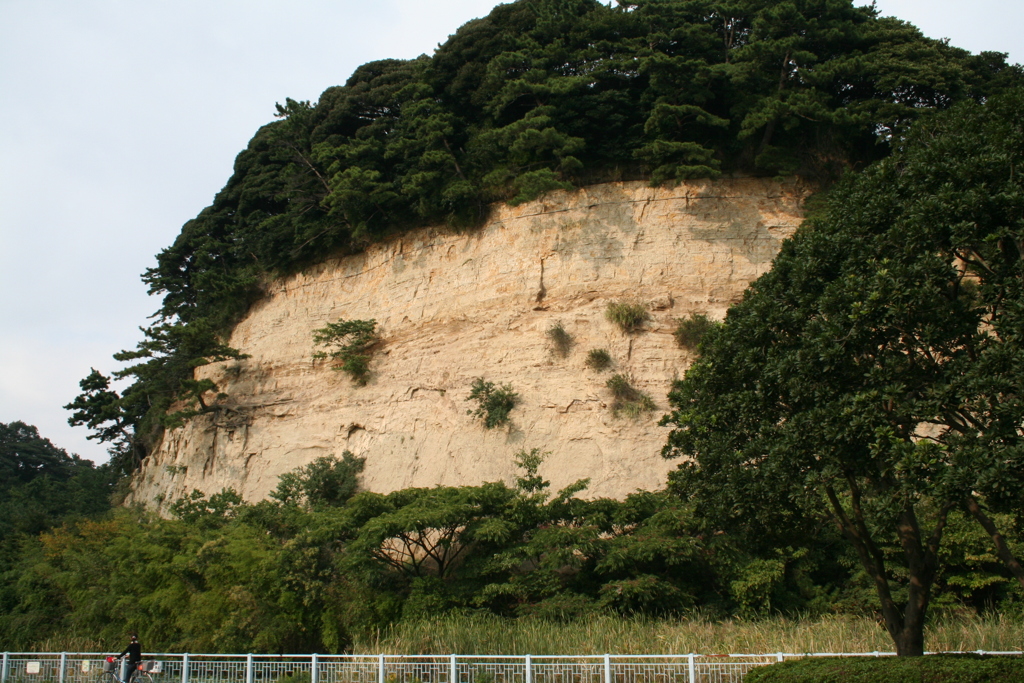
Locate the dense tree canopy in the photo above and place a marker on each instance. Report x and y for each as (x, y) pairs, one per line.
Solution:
(320, 563)
(41, 484)
(875, 374)
(540, 94)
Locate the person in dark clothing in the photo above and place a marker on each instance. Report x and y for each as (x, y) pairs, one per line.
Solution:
(134, 652)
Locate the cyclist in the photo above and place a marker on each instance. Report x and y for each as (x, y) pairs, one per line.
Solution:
(134, 652)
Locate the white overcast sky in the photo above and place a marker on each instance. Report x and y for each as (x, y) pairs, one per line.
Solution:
(120, 120)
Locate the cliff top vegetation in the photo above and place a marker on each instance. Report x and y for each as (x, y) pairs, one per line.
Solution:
(538, 95)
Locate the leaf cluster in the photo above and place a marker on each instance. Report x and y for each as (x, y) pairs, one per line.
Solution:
(494, 403)
(349, 342)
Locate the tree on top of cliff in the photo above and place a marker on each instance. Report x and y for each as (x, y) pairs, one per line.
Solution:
(874, 376)
(546, 94)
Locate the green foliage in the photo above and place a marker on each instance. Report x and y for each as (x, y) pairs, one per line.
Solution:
(315, 569)
(528, 99)
(213, 512)
(630, 317)
(24, 456)
(937, 668)
(41, 486)
(896, 311)
(494, 403)
(628, 400)
(691, 330)
(529, 462)
(348, 342)
(560, 339)
(599, 359)
(326, 481)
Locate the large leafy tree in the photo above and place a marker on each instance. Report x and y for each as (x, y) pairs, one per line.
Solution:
(538, 95)
(875, 374)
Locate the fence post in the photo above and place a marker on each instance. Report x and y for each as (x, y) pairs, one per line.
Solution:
(607, 668)
(184, 668)
(63, 665)
(3, 674)
(453, 671)
(248, 668)
(779, 657)
(314, 671)
(691, 668)
(529, 669)
(380, 668)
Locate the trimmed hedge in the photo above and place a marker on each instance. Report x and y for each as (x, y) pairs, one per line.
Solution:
(928, 669)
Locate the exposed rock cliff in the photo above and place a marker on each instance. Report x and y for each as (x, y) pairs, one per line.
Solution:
(453, 307)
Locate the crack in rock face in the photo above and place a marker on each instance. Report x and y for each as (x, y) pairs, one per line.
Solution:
(456, 307)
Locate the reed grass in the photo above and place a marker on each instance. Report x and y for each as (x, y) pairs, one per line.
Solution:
(484, 634)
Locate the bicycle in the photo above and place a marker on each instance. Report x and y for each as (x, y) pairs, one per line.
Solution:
(112, 669)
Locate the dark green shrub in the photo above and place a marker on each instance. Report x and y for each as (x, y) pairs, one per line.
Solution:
(325, 482)
(630, 317)
(599, 359)
(560, 339)
(691, 330)
(928, 669)
(493, 403)
(628, 400)
(349, 342)
(295, 677)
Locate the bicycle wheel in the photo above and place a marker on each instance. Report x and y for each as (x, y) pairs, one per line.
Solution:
(142, 677)
(108, 677)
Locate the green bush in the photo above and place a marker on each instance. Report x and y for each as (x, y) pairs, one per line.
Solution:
(561, 340)
(295, 677)
(628, 400)
(928, 669)
(630, 317)
(494, 403)
(691, 330)
(325, 482)
(599, 359)
(349, 342)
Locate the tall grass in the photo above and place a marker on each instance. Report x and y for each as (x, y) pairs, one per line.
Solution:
(627, 399)
(561, 340)
(484, 634)
(630, 317)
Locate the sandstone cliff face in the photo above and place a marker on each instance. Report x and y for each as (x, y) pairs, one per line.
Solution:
(453, 307)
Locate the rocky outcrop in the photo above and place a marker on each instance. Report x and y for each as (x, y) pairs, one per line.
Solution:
(452, 307)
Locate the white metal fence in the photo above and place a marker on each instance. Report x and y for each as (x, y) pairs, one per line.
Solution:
(86, 667)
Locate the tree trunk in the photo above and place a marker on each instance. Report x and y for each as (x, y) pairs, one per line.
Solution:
(1003, 550)
(905, 626)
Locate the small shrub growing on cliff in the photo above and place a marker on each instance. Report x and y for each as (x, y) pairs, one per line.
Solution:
(561, 340)
(599, 359)
(494, 403)
(325, 482)
(349, 342)
(628, 400)
(630, 317)
(691, 330)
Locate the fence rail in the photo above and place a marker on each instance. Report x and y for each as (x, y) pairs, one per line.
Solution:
(86, 667)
